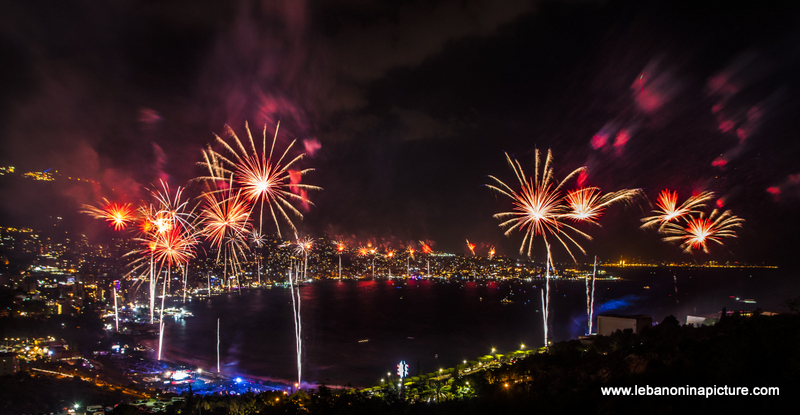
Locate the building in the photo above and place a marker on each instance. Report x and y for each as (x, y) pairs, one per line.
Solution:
(608, 324)
(9, 364)
(707, 320)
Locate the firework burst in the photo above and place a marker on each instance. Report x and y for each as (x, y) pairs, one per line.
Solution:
(541, 210)
(588, 203)
(538, 206)
(668, 211)
(257, 239)
(410, 249)
(173, 247)
(303, 246)
(263, 180)
(167, 236)
(471, 247)
(426, 248)
(225, 223)
(223, 218)
(119, 216)
(698, 232)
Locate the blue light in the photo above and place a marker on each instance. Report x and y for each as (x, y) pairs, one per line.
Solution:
(619, 303)
(238, 380)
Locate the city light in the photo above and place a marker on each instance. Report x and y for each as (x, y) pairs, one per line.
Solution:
(413, 116)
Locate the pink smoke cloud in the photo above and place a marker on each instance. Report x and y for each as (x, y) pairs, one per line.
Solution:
(622, 138)
(296, 177)
(311, 145)
(599, 140)
(791, 181)
(655, 86)
(161, 160)
(583, 176)
(726, 125)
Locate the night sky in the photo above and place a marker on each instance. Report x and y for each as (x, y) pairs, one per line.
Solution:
(405, 108)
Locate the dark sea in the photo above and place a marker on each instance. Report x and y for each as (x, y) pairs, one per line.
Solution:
(354, 332)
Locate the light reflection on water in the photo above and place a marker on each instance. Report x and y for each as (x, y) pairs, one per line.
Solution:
(433, 324)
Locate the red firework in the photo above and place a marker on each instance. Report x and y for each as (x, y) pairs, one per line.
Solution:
(668, 210)
(698, 232)
(119, 216)
(263, 180)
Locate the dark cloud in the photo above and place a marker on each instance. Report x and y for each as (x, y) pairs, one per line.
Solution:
(404, 108)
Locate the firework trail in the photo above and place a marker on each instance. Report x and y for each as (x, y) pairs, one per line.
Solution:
(675, 284)
(698, 232)
(119, 216)
(225, 223)
(296, 317)
(390, 255)
(427, 250)
(410, 250)
(362, 251)
(185, 280)
(339, 250)
(174, 244)
(258, 241)
(588, 204)
(471, 247)
(218, 345)
(167, 237)
(668, 210)
(590, 295)
(302, 247)
(538, 210)
(263, 181)
(491, 253)
(372, 251)
(545, 311)
(161, 317)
